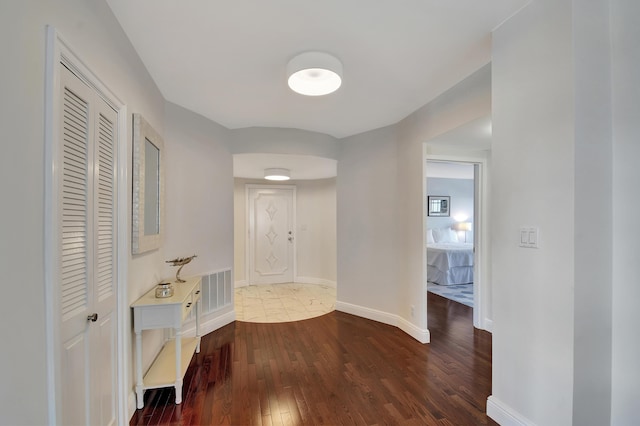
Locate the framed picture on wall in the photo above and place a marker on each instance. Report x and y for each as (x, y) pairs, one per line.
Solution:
(438, 205)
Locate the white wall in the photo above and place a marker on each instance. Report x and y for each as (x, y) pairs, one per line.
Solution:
(381, 189)
(97, 38)
(467, 101)
(381, 208)
(533, 185)
(593, 244)
(315, 229)
(367, 204)
(199, 195)
(381, 203)
(626, 205)
(552, 108)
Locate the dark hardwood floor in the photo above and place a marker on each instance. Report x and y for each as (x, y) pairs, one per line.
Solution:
(337, 369)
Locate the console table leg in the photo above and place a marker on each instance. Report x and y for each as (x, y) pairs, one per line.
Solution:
(198, 307)
(139, 385)
(178, 384)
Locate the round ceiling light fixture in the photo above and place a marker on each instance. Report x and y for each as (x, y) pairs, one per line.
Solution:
(277, 174)
(314, 74)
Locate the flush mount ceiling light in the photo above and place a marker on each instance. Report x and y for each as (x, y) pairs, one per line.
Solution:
(314, 74)
(277, 174)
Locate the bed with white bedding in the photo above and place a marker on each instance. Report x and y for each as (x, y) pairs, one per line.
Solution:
(449, 262)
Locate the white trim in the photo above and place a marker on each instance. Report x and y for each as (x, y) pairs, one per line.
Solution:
(52, 82)
(59, 51)
(480, 233)
(211, 324)
(488, 325)
(316, 281)
(123, 326)
(240, 283)
(505, 415)
(421, 335)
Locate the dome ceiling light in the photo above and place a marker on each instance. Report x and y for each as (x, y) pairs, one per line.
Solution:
(314, 74)
(277, 174)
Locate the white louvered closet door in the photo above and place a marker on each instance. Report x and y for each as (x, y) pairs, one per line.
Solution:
(87, 249)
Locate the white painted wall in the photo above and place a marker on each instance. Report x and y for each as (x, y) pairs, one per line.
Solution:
(367, 204)
(96, 37)
(315, 229)
(593, 244)
(381, 187)
(625, 70)
(467, 101)
(533, 184)
(570, 358)
(199, 195)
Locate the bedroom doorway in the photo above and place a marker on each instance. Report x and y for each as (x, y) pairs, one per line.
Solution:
(455, 262)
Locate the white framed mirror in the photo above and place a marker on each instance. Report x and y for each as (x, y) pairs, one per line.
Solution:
(148, 187)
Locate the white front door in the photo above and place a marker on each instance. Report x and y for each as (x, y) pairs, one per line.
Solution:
(86, 253)
(271, 234)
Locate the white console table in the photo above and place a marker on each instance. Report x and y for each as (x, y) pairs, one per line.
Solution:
(150, 312)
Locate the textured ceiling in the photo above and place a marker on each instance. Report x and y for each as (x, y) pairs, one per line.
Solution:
(226, 59)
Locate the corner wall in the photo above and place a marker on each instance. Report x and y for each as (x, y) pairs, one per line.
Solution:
(625, 392)
(381, 208)
(533, 185)
(554, 356)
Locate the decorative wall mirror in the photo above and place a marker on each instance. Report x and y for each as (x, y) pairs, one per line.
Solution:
(148, 187)
(438, 205)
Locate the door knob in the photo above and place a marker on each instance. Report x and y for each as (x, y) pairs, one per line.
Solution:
(93, 317)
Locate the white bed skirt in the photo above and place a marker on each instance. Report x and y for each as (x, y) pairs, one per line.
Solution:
(453, 276)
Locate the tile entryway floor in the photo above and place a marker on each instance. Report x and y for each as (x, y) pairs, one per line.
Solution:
(283, 302)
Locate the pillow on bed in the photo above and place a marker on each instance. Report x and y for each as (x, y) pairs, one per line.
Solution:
(430, 239)
(445, 235)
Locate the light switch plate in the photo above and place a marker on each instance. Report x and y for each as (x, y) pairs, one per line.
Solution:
(529, 237)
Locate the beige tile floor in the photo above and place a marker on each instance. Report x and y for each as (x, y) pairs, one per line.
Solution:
(283, 302)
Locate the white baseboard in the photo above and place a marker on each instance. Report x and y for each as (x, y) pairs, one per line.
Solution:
(504, 415)
(488, 325)
(211, 324)
(421, 335)
(312, 280)
(302, 280)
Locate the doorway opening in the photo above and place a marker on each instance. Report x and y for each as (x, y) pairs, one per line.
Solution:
(463, 259)
(285, 248)
(450, 223)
